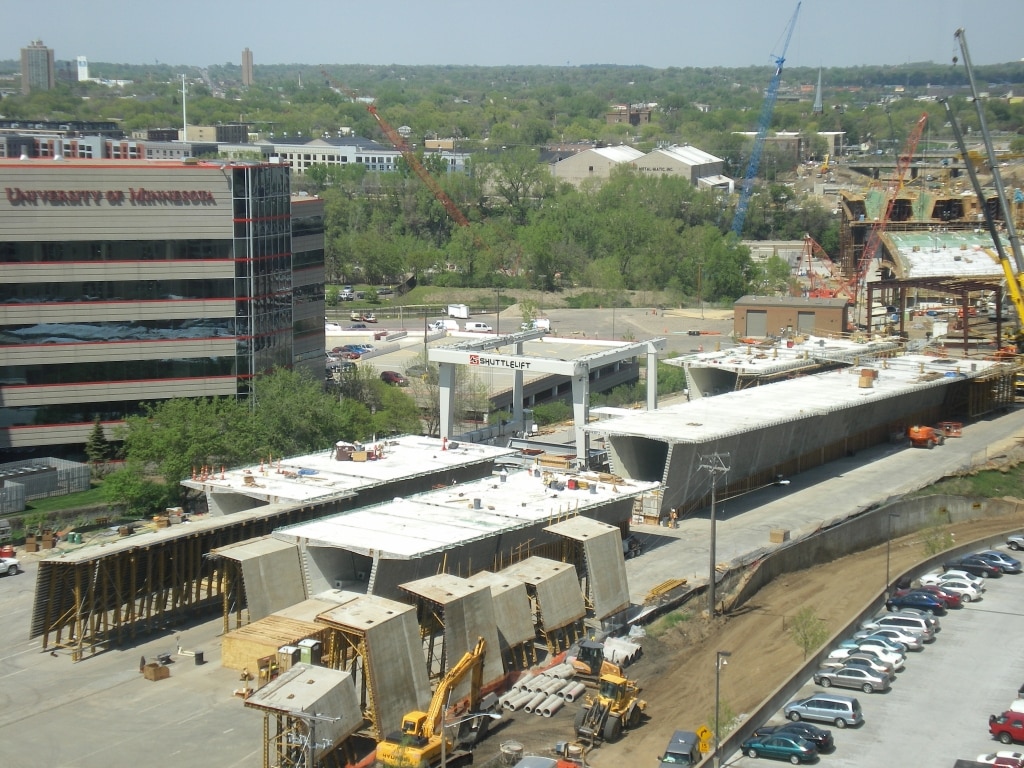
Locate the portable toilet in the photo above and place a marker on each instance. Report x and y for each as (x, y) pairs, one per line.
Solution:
(309, 651)
(287, 656)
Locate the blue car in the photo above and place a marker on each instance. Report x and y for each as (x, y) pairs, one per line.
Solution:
(782, 746)
(1003, 562)
(920, 600)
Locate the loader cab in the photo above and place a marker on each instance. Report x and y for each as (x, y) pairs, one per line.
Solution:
(613, 687)
(591, 654)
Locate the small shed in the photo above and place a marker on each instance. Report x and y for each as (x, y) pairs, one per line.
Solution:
(761, 316)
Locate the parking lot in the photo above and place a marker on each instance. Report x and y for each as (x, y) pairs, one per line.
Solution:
(938, 708)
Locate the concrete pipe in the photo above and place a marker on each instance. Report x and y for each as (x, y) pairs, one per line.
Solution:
(523, 683)
(569, 685)
(575, 692)
(549, 707)
(535, 702)
(554, 685)
(516, 703)
(563, 670)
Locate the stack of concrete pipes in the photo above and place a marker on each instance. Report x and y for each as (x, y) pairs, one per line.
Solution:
(621, 651)
(544, 693)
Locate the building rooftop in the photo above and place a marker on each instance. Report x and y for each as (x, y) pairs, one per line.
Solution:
(709, 418)
(620, 154)
(320, 475)
(431, 522)
(946, 254)
(689, 154)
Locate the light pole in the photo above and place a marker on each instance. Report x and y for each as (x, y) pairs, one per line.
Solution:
(444, 726)
(715, 464)
(720, 657)
(888, 548)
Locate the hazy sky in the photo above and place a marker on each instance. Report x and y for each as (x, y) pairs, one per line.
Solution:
(656, 33)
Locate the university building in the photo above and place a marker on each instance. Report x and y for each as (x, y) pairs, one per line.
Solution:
(130, 282)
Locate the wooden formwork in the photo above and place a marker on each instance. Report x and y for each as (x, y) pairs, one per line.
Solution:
(103, 596)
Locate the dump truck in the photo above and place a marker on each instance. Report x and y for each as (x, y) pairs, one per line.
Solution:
(419, 743)
(614, 708)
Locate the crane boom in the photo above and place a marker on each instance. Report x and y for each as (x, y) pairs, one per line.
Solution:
(771, 95)
(874, 238)
(410, 157)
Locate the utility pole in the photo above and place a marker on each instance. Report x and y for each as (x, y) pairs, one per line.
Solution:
(714, 463)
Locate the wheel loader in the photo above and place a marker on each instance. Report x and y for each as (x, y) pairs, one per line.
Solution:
(614, 708)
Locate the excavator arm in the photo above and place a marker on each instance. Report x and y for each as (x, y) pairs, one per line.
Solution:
(472, 662)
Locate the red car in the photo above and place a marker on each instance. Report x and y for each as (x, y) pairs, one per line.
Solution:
(951, 599)
(394, 378)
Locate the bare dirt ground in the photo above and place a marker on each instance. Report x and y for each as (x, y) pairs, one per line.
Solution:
(677, 670)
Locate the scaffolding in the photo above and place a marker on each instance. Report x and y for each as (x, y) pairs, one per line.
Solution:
(97, 597)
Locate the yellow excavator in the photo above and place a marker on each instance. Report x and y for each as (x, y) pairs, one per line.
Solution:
(422, 740)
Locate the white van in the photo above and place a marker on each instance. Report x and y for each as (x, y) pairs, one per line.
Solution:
(478, 327)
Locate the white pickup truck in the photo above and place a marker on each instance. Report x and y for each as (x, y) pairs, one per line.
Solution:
(9, 565)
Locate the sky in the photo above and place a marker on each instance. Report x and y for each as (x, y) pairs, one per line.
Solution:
(655, 33)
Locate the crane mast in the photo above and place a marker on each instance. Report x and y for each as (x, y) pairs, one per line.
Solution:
(771, 95)
(410, 157)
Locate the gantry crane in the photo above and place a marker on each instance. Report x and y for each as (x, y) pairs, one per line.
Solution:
(874, 238)
(410, 157)
(771, 95)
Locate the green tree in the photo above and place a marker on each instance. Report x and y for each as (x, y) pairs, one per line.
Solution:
(97, 447)
(807, 630)
(136, 494)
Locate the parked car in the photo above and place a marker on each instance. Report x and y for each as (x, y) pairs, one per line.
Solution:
(1007, 727)
(896, 660)
(866, 680)
(355, 327)
(1015, 541)
(1002, 561)
(10, 566)
(863, 660)
(394, 378)
(872, 639)
(1004, 758)
(783, 746)
(683, 749)
(931, 621)
(948, 599)
(974, 565)
(921, 600)
(422, 372)
(905, 638)
(953, 574)
(819, 737)
(841, 711)
(967, 591)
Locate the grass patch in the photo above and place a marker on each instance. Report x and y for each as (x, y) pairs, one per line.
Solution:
(989, 484)
(89, 498)
(667, 622)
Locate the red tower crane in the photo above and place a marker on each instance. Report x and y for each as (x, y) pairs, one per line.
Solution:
(874, 239)
(410, 157)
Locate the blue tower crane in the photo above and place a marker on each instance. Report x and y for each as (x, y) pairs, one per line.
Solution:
(762, 132)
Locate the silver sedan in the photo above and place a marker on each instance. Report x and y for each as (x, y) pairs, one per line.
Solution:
(866, 680)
